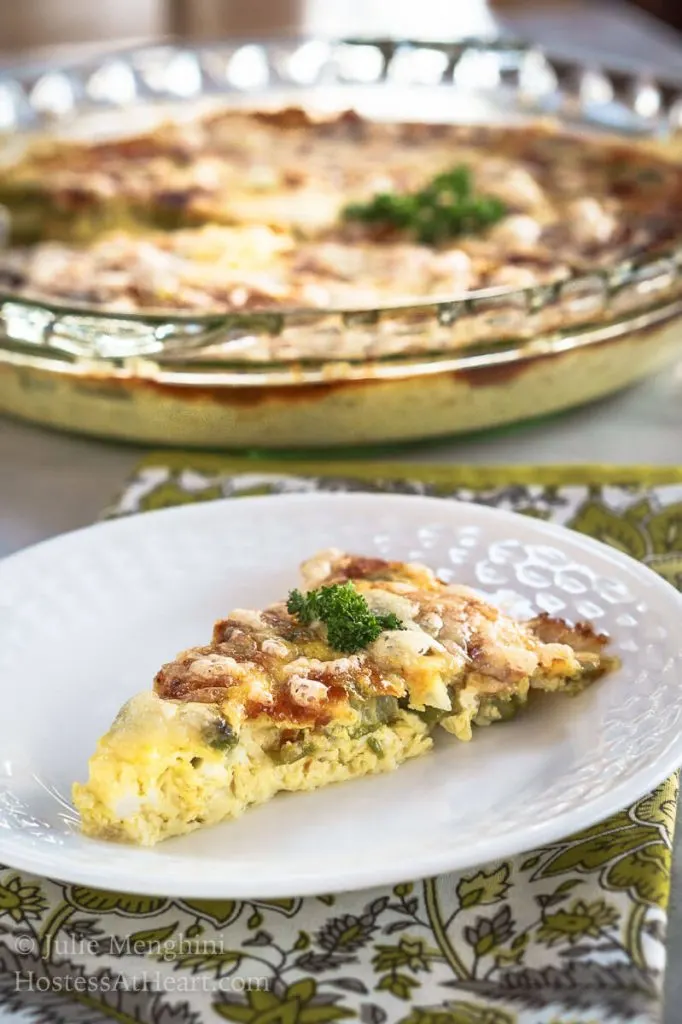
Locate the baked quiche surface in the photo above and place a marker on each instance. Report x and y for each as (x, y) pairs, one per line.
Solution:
(348, 677)
(243, 210)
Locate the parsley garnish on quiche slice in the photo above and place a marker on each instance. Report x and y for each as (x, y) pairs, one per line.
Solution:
(348, 677)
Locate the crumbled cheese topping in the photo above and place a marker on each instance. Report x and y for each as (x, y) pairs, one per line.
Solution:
(278, 649)
(432, 622)
(317, 569)
(519, 233)
(557, 657)
(258, 690)
(216, 666)
(307, 691)
(396, 645)
(401, 587)
(589, 222)
(514, 185)
(338, 666)
(424, 572)
(248, 617)
(384, 602)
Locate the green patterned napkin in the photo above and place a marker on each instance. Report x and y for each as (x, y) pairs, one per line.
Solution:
(572, 933)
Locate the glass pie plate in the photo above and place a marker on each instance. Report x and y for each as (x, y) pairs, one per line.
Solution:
(412, 370)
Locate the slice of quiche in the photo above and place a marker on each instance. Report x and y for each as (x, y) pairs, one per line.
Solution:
(348, 677)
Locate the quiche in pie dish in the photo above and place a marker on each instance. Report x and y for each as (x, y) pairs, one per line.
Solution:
(349, 677)
(239, 211)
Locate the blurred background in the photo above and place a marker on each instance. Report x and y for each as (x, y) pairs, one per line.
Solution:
(614, 26)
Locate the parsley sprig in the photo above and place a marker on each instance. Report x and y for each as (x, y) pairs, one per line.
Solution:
(447, 207)
(351, 624)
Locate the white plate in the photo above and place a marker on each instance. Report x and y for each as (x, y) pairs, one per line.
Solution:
(86, 620)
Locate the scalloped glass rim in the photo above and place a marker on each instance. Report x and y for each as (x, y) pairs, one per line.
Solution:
(506, 74)
(172, 370)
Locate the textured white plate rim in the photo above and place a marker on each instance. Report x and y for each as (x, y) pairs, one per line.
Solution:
(18, 854)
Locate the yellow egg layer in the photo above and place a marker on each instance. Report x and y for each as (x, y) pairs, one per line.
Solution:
(153, 775)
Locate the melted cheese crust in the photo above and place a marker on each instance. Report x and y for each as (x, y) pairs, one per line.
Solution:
(480, 651)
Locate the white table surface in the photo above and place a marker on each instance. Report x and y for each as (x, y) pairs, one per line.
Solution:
(50, 483)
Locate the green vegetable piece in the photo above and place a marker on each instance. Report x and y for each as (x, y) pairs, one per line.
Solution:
(501, 709)
(303, 606)
(220, 735)
(433, 716)
(351, 624)
(287, 753)
(290, 751)
(374, 744)
(445, 208)
(374, 712)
